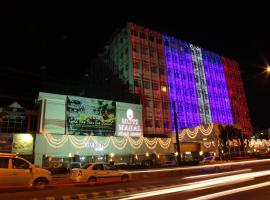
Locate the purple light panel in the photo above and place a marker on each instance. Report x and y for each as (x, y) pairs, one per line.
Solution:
(181, 82)
(217, 88)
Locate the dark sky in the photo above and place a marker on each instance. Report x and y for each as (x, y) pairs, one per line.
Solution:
(64, 37)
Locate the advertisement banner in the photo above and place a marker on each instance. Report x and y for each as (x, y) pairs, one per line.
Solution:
(5, 143)
(86, 116)
(129, 120)
(22, 144)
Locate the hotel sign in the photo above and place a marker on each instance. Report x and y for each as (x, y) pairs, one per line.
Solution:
(129, 120)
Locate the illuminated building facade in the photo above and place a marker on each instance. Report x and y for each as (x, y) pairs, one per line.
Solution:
(161, 70)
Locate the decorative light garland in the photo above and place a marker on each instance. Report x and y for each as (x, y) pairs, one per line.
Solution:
(199, 129)
(118, 142)
(136, 144)
(164, 144)
(56, 143)
(150, 144)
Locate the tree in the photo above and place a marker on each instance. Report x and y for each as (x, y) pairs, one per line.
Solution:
(229, 132)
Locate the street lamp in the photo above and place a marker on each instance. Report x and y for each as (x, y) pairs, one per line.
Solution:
(177, 135)
(268, 69)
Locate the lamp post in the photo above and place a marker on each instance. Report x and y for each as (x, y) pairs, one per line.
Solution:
(177, 135)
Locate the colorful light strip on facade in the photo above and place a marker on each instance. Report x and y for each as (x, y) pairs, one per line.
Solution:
(182, 90)
(200, 80)
(217, 88)
(197, 85)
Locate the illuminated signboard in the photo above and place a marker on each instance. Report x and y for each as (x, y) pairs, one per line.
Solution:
(128, 120)
(86, 116)
(22, 144)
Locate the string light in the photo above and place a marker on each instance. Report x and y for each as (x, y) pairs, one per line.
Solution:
(117, 142)
(193, 134)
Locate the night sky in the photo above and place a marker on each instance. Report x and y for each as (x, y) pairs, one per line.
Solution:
(62, 38)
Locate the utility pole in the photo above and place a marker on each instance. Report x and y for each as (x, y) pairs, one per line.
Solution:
(177, 136)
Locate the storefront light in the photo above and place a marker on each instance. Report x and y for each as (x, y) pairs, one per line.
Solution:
(27, 137)
(201, 153)
(147, 154)
(112, 155)
(158, 156)
(176, 153)
(70, 155)
(82, 158)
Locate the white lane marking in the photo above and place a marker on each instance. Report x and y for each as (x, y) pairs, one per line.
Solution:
(232, 191)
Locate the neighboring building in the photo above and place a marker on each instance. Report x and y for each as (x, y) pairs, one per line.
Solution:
(204, 86)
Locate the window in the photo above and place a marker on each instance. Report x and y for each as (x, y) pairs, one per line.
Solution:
(144, 50)
(146, 84)
(166, 124)
(135, 48)
(151, 38)
(159, 41)
(156, 104)
(161, 71)
(19, 164)
(157, 123)
(137, 65)
(137, 83)
(135, 33)
(4, 162)
(154, 69)
(98, 167)
(142, 35)
(147, 103)
(148, 123)
(155, 85)
(110, 167)
(165, 105)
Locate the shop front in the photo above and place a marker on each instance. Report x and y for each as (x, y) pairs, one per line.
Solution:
(58, 150)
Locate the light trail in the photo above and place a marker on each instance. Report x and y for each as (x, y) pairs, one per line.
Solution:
(201, 184)
(232, 191)
(200, 167)
(217, 174)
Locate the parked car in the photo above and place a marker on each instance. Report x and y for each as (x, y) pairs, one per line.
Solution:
(16, 171)
(75, 165)
(59, 170)
(99, 172)
(169, 163)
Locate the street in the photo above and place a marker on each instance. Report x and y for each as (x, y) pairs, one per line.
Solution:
(191, 186)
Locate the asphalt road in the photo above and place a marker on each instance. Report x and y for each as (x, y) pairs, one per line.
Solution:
(153, 187)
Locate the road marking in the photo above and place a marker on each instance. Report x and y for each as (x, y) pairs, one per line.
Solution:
(233, 191)
(66, 197)
(109, 193)
(82, 196)
(50, 198)
(120, 191)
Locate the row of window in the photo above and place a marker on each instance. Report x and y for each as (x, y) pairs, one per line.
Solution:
(158, 124)
(144, 36)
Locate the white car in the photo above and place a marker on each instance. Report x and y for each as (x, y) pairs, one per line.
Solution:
(99, 172)
(16, 171)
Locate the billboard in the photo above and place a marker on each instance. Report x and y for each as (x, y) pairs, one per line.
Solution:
(129, 120)
(22, 144)
(86, 116)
